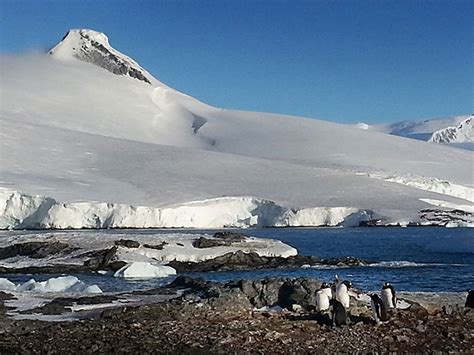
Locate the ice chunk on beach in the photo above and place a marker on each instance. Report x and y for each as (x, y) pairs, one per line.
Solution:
(7, 285)
(144, 270)
(58, 284)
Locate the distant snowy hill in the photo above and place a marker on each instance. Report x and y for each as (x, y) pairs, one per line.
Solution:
(462, 133)
(455, 129)
(91, 139)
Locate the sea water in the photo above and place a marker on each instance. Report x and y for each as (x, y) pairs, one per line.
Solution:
(412, 259)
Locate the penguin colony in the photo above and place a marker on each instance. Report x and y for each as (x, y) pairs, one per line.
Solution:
(336, 297)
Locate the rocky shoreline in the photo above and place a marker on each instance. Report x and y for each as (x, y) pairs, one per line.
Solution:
(209, 317)
(110, 259)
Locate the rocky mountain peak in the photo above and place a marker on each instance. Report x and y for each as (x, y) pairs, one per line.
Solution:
(93, 47)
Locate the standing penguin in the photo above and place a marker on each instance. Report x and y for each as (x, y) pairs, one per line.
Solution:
(469, 299)
(339, 314)
(389, 297)
(342, 292)
(378, 309)
(326, 288)
(323, 297)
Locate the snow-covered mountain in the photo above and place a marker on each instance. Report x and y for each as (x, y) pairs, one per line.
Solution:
(462, 133)
(93, 134)
(455, 129)
(93, 47)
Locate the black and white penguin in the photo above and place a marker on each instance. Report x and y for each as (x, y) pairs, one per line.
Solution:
(327, 289)
(342, 292)
(389, 297)
(378, 309)
(469, 299)
(323, 295)
(339, 314)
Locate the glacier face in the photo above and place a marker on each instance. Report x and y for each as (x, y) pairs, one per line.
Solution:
(75, 132)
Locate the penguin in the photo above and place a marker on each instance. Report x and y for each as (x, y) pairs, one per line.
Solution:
(326, 288)
(389, 298)
(323, 297)
(342, 293)
(378, 309)
(339, 314)
(469, 299)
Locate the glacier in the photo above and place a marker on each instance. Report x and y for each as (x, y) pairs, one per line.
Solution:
(86, 143)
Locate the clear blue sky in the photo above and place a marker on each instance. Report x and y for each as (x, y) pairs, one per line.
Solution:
(347, 61)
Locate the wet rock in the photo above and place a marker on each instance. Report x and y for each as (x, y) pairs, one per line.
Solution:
(155, 246)
(127, 243)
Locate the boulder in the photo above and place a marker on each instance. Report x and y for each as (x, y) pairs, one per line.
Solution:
(127, 243)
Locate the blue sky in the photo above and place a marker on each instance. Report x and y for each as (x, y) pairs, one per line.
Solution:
(347, 61)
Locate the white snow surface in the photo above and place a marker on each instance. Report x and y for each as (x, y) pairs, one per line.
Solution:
(95, 144)
(144, 270)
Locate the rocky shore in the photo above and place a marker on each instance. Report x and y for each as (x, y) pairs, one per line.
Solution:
(237, 317)
(58, 256)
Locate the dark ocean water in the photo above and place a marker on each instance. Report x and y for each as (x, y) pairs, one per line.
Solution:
(413, 259)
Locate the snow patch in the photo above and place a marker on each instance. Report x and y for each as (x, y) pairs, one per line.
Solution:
(429, 184)
(144, 270)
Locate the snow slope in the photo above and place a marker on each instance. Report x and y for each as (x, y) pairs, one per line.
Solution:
(95, 140)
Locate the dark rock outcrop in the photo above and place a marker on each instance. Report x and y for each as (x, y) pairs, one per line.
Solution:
(159, 246)
(35, 250)
(127, 243)
(249, 261)
(258, 293)
(219, 239)
(104, 260)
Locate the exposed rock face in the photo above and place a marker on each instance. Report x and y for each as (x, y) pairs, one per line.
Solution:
(93, 47)
(443, 218)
